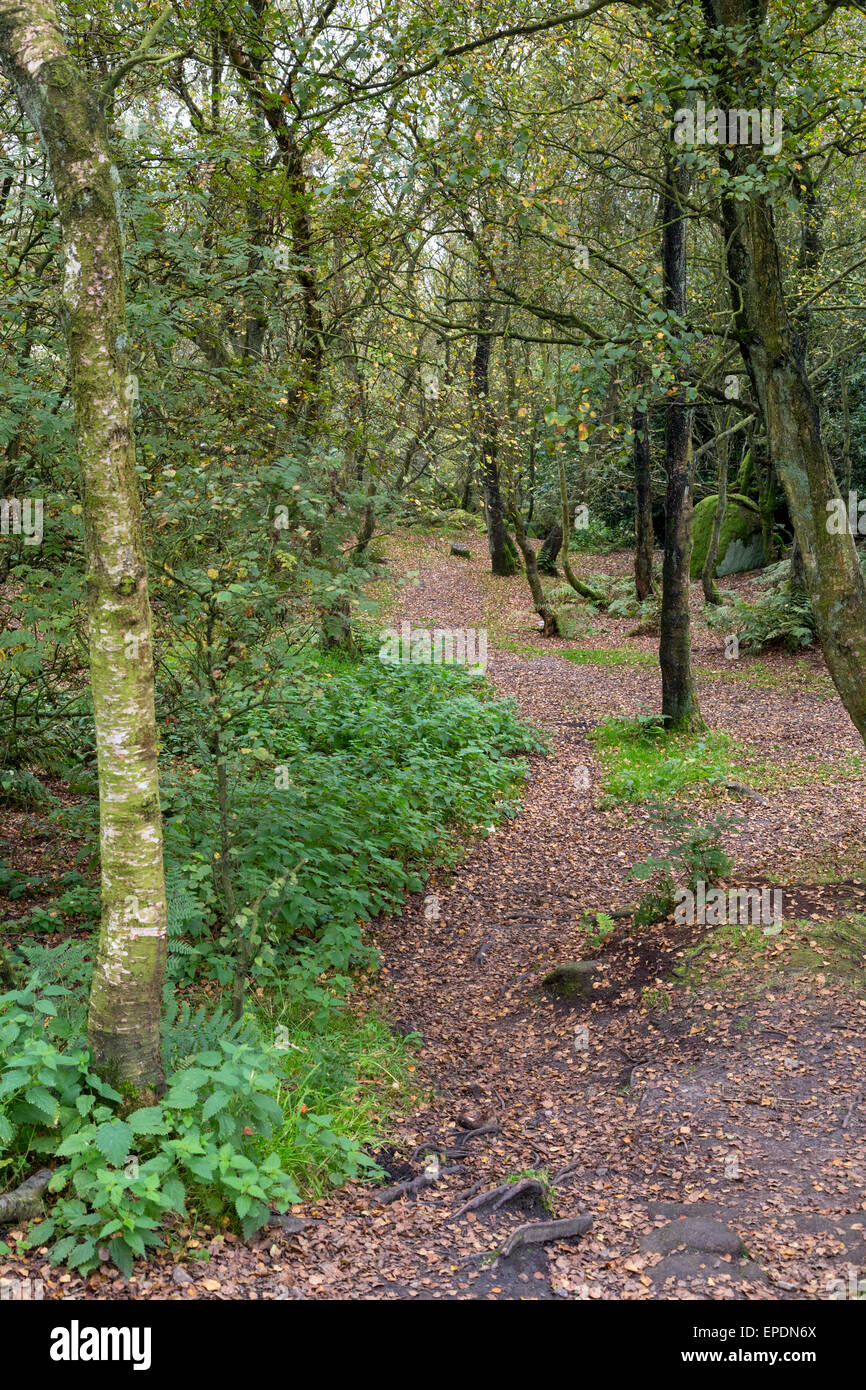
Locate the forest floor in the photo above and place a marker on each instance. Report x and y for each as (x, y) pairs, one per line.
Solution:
(731, 1092)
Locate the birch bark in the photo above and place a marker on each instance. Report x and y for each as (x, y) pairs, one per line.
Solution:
(123, 1024)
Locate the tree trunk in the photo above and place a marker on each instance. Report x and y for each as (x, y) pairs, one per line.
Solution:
(126, 993)
(304, 400)
(585, 590)
(549, 550)
(711, 593)
(501, 552)
(846, 429)
(765, 479)
(680, 709)
(643, 506)
(542, 607)
(797, 585)
(772, 353)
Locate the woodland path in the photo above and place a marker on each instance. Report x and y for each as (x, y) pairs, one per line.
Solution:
(741, 1101)
(655, 1104)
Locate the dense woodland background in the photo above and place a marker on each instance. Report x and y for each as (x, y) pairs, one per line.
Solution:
(287, 286)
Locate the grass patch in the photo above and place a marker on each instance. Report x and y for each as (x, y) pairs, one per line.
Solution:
(760, 676)
(338, 1090)
(520, 648)
(609, 656)
(642, 761)
(809, 769)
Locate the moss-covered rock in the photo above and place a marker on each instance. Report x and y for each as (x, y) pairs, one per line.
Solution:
(741, 545)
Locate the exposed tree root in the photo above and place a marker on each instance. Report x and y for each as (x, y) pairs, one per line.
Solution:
(458, 1148)
(539, 1232)
(506, 1192)
(412, 1186)
(25, 1202)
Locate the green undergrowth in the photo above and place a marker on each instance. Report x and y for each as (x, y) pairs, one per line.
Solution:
(257, 1114)
(338, 1090)
(350, 783)
(642, 761)
(610, 656)
(757, 674)
(355, 781)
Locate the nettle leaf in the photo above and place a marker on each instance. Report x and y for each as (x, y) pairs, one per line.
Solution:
(180, 1099)
(149, 1120)
(43, 1100)
(113, 1140)
(12, 1081)
(61, 1249)
(192, 1076)
(83, 1255)
(254, 1219)
(121, 1255)
(218, 1101)
(174, 1192)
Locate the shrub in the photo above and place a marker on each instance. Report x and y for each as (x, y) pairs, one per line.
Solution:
(359, 777)
(777, 618)
(126, 1173)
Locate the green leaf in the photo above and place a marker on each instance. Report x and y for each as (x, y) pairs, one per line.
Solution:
(113, 1140)
(61, 1249)
(43, 1100)
(82, 1254)
(179, 1099)
(149, 1120)
(121, 1255)
(218, 1101)
(174, 1192)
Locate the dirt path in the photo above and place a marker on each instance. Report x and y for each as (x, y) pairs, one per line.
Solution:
(742, 1104)
(738, 1103)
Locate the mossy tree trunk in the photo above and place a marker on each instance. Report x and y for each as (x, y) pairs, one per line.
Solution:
(643, 505)
(680, 709)
(126, 994)
(765, 478)
(585, 590)
(711, 593)
(773, 354)
(542, 607)
(846, 428)
(549, 550)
